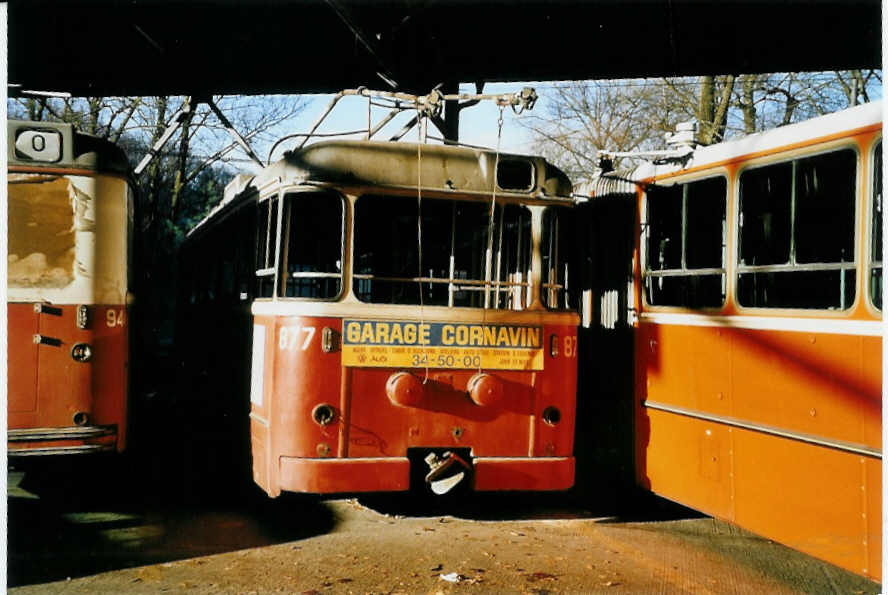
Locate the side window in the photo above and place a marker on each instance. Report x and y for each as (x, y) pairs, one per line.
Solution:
(311, 256)
(228, 260)
(561, 283)
(245, 242)
(797, 233)
(685, 244)
(876, 211)
(266, 234)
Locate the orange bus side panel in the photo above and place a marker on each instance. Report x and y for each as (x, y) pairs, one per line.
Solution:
(826, 385)
(805, 382)
(872, 377)
(821, 500)
(811, 498)
(872, 497)
(686, 460)
(686, 366)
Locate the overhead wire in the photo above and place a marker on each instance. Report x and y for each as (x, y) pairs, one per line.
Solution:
(419, 126)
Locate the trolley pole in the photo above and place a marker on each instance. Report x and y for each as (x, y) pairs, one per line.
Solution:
(451, 113)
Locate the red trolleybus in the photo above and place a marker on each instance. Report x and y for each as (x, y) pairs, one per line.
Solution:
(758, 343)
(414, 316)
(70, 224)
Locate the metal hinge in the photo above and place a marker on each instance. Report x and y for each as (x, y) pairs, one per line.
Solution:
(44, 340)
(47, 309)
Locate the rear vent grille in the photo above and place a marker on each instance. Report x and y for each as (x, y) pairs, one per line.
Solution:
(515, 174)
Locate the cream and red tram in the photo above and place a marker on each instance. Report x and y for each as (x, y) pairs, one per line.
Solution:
(414, 312)
(70, 207)
(758, 277)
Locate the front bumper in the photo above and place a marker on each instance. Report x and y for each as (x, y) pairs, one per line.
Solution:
(392, 474)
(32, 442)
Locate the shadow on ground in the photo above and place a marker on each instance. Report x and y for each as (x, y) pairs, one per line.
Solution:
(79, 517)
(73, 518)
(626, 504)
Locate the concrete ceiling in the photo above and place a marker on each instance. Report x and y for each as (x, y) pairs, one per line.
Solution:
(150, 47)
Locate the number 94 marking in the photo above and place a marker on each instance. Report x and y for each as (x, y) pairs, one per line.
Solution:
(115, 318)
(290, 337)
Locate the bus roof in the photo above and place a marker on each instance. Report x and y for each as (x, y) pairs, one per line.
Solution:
(394, 165)
(56, 145)
(391, 164)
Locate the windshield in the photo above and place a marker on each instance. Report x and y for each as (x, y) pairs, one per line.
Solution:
(450, 259)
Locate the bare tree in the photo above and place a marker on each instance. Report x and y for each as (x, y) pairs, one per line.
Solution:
(583, 117)
(713, 101)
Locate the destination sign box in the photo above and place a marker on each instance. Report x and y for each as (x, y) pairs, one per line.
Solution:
(456, 345)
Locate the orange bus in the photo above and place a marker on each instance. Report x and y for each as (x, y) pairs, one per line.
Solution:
(413, 317)
(70, 244)
(758, 284)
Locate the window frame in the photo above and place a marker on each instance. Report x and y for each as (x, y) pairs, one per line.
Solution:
(271, 271)
(869, 224)
(280, 276)
(561, 290)
(853, 265)
(684, 271)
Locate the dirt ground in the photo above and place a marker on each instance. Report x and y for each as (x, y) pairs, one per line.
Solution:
(61, 542)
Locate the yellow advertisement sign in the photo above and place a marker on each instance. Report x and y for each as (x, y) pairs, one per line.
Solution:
(454, 345)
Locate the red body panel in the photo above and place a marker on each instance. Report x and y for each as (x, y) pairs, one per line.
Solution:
(22, 324)
(365, 448)
(48, 387)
